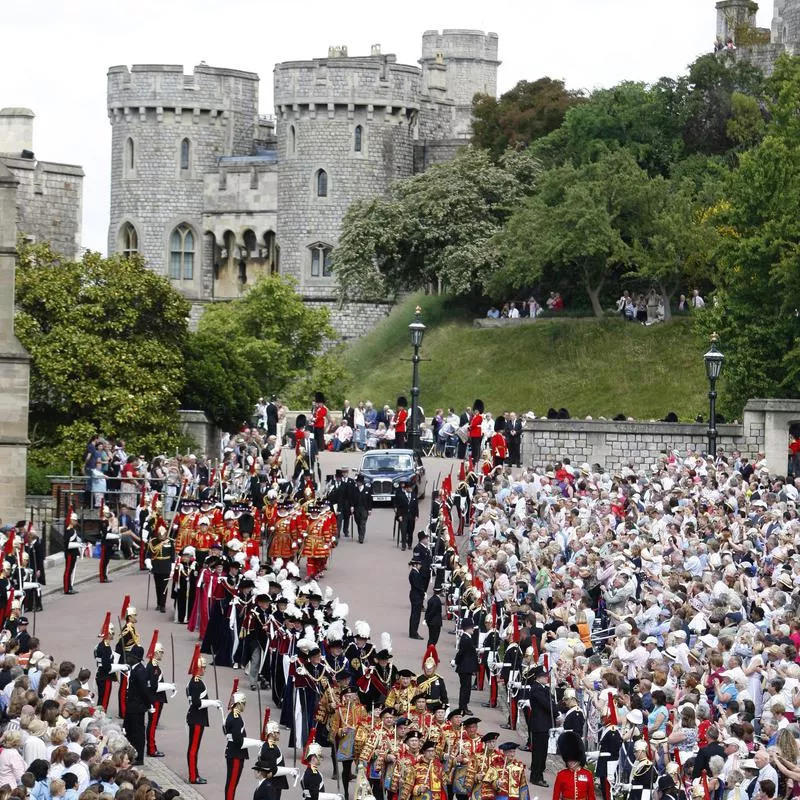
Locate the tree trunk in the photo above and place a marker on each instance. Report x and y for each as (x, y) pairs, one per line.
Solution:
(667, 298)
(594, 296)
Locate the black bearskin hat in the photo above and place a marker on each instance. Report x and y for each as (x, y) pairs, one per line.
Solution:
(500, 424)
(478, 406)
(319, 397)
(402, 402)
(300, 422)
(571, 748)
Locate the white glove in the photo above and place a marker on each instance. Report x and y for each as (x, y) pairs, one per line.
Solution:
(167, 687)
(248, 743)
(453, 663)
(329, 796)
(281, 771)
(120, 668)
(515, 685)
(148, 563)
(151, 710)
(210, 704)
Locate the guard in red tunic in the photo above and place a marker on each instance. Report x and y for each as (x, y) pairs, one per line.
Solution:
(320, 411)
(498, 443)
(575, 782)
(400, 422)
(476, 431)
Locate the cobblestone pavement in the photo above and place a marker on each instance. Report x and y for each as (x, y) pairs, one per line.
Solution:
(372, 578)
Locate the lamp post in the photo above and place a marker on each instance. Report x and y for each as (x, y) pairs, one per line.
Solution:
(713, 360)
(417, 330)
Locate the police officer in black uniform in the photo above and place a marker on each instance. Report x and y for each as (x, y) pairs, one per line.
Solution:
(542, 713)
(416, 595)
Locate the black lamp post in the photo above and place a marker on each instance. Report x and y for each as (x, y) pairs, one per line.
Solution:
(417, 331)
(713, 360)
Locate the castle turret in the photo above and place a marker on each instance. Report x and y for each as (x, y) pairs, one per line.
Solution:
(734, 16)
(346, 128)
(457, 65)
(168, 130)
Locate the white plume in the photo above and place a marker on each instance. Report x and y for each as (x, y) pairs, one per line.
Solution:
(319, 616)
(341, 610)
(293, 569)
(386, 642)
(277, 564)
(293, 611)
(282, 575)
(335, 632)
(308, 632)
(239, 558)
(328, 594)
(304, 645)
(362, 629)
(255, 563)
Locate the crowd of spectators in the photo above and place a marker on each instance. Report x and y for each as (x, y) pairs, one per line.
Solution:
(54, 741)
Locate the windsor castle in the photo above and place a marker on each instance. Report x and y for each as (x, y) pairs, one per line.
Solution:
(214, 195)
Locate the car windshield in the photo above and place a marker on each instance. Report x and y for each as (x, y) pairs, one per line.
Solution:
(389, 462)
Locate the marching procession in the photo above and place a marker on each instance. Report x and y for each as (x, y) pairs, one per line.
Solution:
(643, 626)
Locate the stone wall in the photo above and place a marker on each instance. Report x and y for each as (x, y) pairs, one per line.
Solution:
(153, 108)
(199, 428)
(49, 202)
(352, 320)
(615, 445)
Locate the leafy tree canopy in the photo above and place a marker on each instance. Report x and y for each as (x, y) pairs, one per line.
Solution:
(436, 228)
(527, 112)
(105, 337)
(261, 343)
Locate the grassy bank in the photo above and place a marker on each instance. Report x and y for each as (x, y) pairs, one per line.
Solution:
(591, 367)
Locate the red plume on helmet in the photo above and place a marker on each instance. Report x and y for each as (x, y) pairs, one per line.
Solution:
(267, 712)
(430, 653)
(234, 689)
(125, 603)
(194, 664)
(706, 792)
(462, 473)
(8, 548)
(68, 520)
(515, 628)
(535, 646)
(154, 501)
(143, 498)
(151, 651)
(105, 630)
(611, 713)
(312, 737)
(494, 616)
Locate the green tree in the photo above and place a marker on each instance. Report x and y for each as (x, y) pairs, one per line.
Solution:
(677, 246)
(645, 120)
(265, 341)
(527, 112)
(580, 225)
(435, 229)
(105, 337)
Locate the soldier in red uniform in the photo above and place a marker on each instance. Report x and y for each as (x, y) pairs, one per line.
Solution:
(499, 447)
(476, 431)
(320, 412)
(575, 782)
(282, 544)
(400, 420)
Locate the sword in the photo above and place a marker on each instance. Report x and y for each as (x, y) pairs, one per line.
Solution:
(147, 604)
(172, 642)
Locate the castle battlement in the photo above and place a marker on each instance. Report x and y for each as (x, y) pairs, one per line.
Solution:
(456, 43)
(166, 86)
(324, 83)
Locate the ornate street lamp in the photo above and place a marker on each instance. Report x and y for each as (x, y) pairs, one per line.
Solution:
(417, 331)
(713, 360)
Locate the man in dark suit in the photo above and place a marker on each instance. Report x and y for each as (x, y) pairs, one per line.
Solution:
(514, 438)
(362, 507)
(433, 616)
(466, 663)
(423, 552)
(416, 595)
(406, 511)
(705, 753)
(343, 495)
(141, 698)
(272, 416)
(542, 715)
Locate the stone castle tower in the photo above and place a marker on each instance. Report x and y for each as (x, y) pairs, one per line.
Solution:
(212, 194)
(761, 46)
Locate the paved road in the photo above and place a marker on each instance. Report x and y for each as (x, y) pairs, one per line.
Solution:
(371, 577)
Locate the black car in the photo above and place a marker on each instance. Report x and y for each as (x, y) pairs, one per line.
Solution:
(384, 470)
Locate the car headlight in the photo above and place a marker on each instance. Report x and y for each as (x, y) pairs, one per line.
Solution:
(396, 484)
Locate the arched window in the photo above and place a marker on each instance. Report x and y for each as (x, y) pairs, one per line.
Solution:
(130, 155)
(292, 140)
(357, 136)
(185, 154)
(181, 253)
(129, 240)
(250, 243)
(322, 183)
(321, 261)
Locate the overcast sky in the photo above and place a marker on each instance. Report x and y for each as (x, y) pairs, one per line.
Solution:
(55, 53)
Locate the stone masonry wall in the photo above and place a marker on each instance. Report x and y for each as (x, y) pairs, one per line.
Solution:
(156, 107)
(352, 320)
(615, 445)
(49, 202)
